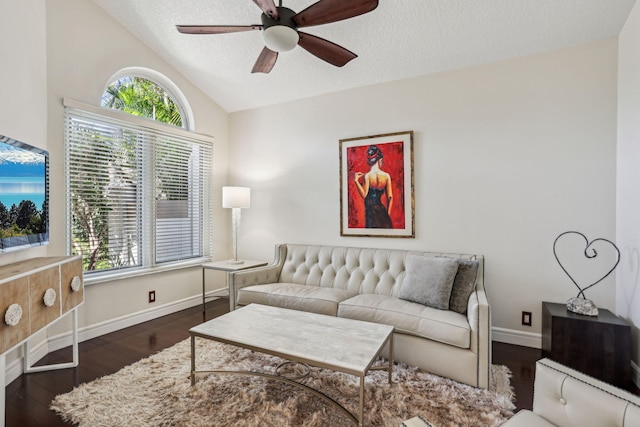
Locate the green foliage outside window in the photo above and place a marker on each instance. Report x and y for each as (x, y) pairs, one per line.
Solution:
(142, 97)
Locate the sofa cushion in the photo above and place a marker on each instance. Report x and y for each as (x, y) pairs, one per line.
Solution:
(463, 285)
(314, 299)
(429, 280)
(445, 326)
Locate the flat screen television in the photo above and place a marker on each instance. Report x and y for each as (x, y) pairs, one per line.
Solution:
(24, 195)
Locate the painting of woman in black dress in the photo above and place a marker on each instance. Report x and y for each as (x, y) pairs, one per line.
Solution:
(375, 186)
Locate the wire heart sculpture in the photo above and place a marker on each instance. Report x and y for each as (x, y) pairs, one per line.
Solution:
(589, 253)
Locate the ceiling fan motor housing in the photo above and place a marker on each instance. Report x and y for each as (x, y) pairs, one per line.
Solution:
(280, 34)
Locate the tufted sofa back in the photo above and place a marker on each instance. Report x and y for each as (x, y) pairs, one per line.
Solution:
(361, 270)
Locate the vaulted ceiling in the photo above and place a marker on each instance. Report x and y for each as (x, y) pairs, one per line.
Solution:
(397, 40)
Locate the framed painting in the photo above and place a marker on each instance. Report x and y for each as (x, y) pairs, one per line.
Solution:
(376, 186)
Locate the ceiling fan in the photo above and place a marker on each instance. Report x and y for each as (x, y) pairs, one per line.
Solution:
(280, 25)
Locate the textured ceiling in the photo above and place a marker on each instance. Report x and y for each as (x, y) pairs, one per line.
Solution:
(399, 39)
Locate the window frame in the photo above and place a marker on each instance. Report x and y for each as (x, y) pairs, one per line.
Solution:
(148, 264)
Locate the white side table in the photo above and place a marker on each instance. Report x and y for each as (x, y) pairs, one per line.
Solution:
(228, 267)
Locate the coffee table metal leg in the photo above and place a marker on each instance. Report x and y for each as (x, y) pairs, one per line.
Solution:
(193, 360)
(390, 370)
(361, 414)
(285, 380)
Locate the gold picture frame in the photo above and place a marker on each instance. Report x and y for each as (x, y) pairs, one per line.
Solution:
(376, 186)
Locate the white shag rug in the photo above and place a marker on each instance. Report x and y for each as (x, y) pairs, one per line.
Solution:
(156, 391)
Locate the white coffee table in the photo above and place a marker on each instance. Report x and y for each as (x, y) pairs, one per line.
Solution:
(343, 345)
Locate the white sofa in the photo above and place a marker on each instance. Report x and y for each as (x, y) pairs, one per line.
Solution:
(365, 284)
(564, 397)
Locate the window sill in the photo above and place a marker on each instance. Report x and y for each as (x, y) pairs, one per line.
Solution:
(96, 278)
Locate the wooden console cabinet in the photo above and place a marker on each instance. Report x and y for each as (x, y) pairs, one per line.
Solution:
(599, 346)
(33, 294)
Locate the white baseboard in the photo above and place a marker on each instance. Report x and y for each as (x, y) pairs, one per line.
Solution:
(53, 343)
(512, 336)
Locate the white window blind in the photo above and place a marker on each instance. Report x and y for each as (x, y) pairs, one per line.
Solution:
(138, 192)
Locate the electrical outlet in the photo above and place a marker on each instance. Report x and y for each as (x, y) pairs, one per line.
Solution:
(152, 296)
(526, 318)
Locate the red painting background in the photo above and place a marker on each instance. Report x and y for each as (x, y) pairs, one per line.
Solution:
(393, 164)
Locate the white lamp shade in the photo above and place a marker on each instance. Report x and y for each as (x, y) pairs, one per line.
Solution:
(280, 38)
(236, 197)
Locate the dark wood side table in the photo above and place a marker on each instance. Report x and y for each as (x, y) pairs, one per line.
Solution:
(599, 346)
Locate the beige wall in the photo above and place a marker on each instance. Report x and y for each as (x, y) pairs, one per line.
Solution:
(69, 49)
(23, 82)
(507, 156)
(628, 197)
(85, 47)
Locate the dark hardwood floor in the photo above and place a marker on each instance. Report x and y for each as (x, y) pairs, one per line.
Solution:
(28, 397)
(521, 361)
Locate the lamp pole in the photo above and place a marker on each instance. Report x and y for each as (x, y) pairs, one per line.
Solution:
(236, 214)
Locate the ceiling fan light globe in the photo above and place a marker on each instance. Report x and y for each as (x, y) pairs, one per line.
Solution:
(280, 38)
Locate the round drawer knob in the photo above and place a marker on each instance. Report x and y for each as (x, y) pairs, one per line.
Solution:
(13, 315)
(76, 284)
(49, 297)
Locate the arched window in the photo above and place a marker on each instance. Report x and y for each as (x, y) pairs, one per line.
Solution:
(139, 189)
(142, 97)
(147, 93)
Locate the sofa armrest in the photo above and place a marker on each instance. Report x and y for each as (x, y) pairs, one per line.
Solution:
(479, 317)
(256, 276)
(251, 276)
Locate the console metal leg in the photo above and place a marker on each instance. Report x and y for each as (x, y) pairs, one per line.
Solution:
(76, 358)
(3, 396)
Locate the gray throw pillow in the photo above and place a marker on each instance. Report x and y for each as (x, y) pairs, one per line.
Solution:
(463, 285)
(428, 280)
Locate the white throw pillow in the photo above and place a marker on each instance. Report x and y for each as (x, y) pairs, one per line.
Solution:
(428, 280)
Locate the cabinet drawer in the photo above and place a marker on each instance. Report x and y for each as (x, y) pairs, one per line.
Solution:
(39, 283)
(26, 283)
(14, 292)
(71, 297)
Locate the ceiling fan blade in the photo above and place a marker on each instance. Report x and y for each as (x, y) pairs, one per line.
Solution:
(268, 7)
(325, 50)
(265, 62)
(326, 11)
(216, 29)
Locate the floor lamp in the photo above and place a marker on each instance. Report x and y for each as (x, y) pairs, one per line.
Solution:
(236, 198)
